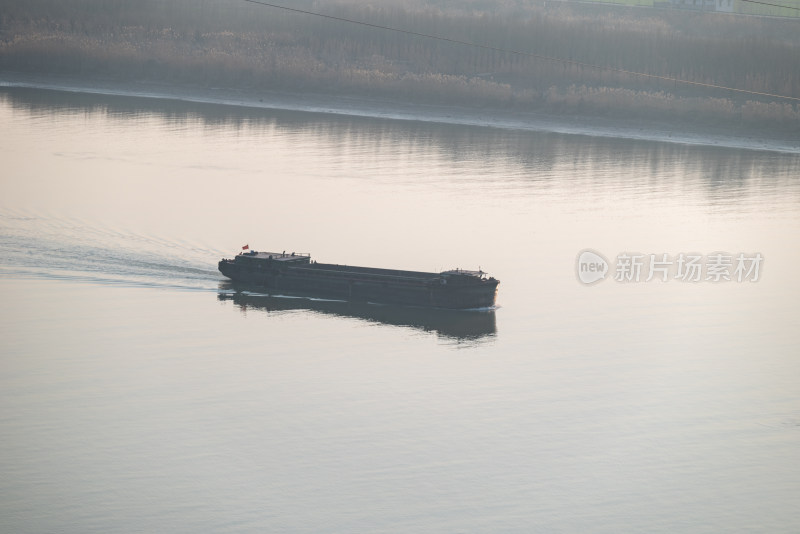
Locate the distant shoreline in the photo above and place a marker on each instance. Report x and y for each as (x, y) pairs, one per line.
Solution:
(677, 132)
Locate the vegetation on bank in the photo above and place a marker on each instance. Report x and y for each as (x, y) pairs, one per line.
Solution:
(231, 43)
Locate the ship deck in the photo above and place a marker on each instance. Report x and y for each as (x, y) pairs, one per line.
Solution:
(302, 262)
(276, 256)
(375, 271)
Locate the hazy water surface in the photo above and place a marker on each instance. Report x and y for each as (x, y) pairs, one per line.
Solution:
(141, 392)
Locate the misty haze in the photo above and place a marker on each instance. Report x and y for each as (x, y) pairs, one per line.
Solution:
(475, 266)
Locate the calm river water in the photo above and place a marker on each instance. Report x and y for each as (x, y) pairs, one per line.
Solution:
(139, 392)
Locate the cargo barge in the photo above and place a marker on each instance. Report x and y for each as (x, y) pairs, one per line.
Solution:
(293, 272)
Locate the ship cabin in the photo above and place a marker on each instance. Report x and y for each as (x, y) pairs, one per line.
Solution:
(281, 258)
(462, 276)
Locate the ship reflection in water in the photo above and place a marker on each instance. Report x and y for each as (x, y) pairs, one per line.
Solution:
(472, 326)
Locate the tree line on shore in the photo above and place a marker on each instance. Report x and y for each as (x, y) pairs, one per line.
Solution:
(225, 43)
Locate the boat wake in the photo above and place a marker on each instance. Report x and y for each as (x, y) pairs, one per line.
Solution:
(229, 288)
(67, 249)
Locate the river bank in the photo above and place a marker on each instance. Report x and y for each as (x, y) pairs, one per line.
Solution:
(672, 131)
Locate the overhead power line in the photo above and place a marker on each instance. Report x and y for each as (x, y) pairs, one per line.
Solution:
(523, 53)
(768, 4)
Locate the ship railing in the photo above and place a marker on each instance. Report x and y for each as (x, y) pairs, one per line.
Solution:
(286, 254)
(465, 272)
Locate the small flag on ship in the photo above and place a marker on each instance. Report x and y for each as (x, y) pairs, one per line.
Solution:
(246, 247)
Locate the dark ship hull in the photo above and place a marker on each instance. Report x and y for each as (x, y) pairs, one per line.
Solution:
(456, 289)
